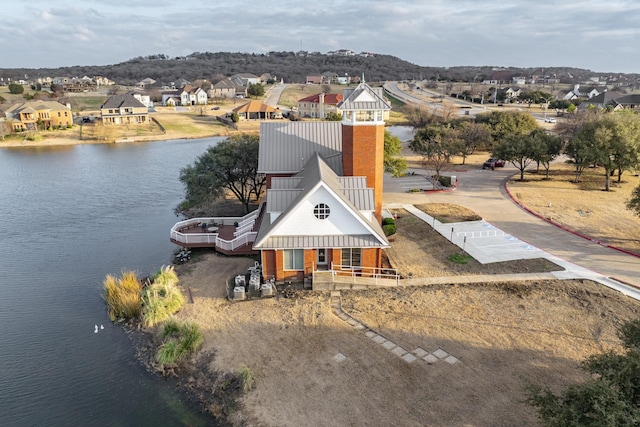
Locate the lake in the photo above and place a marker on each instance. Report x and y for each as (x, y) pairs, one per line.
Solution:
(69, 216)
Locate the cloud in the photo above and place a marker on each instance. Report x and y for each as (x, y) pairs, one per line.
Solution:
(436, 33)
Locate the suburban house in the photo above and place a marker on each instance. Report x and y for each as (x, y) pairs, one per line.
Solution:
(323, 207)
(256, 110)
(145, 83)
(190, 95)
(587, 92)
(227, 88)
(315, 79)
(318, 105)
(32, 115)
(123, 110)
(613, 100)
(245, 79)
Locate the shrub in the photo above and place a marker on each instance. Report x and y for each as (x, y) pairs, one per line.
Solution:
(246, 376)
(123, 296)
(180, 340)
(445, 181)
(162, 298)
(389, 229)
(387, 221)
(235, 117)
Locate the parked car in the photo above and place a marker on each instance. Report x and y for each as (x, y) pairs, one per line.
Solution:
(493, 163)
(550, 120)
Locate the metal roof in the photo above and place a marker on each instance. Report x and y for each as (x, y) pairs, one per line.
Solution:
(286, 147)
(308, 242)
(364, 97)
(317, 173)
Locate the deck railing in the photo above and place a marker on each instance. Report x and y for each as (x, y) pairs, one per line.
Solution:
(370, 272)
(212, 239)
(231, 245)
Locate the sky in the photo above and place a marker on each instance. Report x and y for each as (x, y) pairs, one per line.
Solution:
(599, 35)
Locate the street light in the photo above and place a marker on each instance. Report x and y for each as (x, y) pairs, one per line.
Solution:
(546, 105)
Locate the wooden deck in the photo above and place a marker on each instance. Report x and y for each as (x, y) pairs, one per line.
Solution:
(218, 233)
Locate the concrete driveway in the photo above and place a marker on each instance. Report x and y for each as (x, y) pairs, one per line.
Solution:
(483, 191)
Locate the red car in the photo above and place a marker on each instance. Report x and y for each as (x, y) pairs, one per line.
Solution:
(493, 163)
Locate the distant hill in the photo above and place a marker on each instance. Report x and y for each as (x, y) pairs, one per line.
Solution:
(291, 67)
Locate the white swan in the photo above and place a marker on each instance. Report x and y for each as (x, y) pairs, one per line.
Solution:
(101, 327)
(96, 331)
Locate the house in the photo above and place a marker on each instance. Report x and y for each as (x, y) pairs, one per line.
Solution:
(500, 78)
(245, 79)
(227, 88)
(323, 206)
(190, 95)
(612, 100)
(34, 115)
(145, 83)
(315, 79)
(319, 105)
(256, 110)
(123, 110)
(103, 81)
(587, 92)
(144, 99)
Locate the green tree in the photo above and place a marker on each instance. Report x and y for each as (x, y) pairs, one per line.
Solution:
(255, 90)
(503, 124)
(332, 116)
(610, 398)
(545, 148)
(519, 150)
(612, 142)
(535, 97)
(394, 163)
(436, 144)
(472, 135)
(634, 202)
(15, 88)
(231, 165)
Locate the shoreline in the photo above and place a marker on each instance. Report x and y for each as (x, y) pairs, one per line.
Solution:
(66, 141)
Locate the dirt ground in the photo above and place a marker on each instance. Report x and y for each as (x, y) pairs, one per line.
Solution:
(503, 334)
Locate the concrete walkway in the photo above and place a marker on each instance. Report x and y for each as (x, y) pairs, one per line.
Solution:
(487, 243)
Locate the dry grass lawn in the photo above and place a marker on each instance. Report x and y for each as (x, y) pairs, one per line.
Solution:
(503, 334)
(584, 207)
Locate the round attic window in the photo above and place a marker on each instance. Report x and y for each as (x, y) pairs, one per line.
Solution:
(321, 211)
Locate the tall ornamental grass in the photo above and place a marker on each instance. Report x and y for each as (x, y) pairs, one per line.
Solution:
(179, 341)
(123, 296)
(162, 298)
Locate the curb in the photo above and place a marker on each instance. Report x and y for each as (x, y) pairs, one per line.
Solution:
(562, 227)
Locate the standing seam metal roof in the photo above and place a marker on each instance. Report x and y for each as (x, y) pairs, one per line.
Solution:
(286, 147)
(351, 101)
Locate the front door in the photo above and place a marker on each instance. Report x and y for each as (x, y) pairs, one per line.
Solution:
(321, 259)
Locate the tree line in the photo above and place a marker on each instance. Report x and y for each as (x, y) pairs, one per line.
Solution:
(598, 138)
(290, 66)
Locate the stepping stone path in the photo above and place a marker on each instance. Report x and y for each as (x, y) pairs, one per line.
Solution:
(409, 357)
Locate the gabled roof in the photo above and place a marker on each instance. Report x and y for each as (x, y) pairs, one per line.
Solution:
(125, 100)
(364, 97)
(286, 147)
(227, 84)
(318, 177)
(329, 98)
(33, 106)
(254, 107)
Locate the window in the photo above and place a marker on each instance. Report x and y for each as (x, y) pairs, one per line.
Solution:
(351, 257)
(321, 211)
(293, 259)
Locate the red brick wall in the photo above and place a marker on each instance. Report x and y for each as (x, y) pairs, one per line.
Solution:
(363, 155)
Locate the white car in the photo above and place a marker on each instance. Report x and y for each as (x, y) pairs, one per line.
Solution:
(549, 120)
